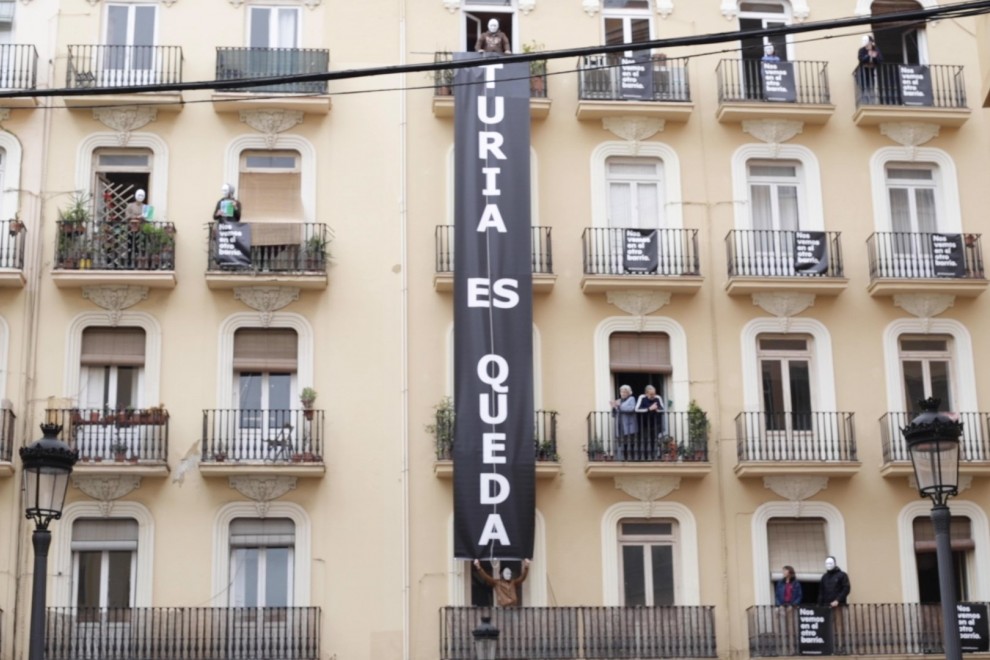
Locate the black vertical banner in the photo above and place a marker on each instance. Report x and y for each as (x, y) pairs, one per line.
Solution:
(494, 456)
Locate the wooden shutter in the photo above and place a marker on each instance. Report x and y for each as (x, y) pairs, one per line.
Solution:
(261, 532)
(104, 534)
(960, 536)
(798, 543)
(647, 352)
(261, 349)
(122, 347)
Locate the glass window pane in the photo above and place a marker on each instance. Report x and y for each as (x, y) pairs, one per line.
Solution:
(647, 529)
(244, 566)
(124, 160)
(925, 202)
(633, 575)
(126, 387)
(287, 17)
(649, 205)
(277, 576)
(117, 25)
(88, 579)
(776, 171)
(760, 209)
(614, 32)
(773, 392)
(900, 210)
(620, 205)
(934, 345)
(787, 201)
(641, 169)
(249, 389)
(627, 4)
(911, 174)
(800, 395)
(119, 583)
(780, 344)
(144, 32)
(279, 395)
(914, 383)
(260, 17)
(940, 383)
(640, 29)
(662, 558)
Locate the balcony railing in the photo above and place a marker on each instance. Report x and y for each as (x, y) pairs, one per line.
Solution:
(443, 79)
(96, 245)
(927, 85)
(7, 419)
(122, 66)
(263, 436)
(605, 251)
(925, 256)
(544, 434)
(246, 63)
(974, 445)
(646, 437)
(865, 629)
(583, 632)
(183, 633)
(18, 66)
(772, 253)
(133, 435)
(789, 82)
(541, 253)
(600, 78)
(795, 436)
(12, 237)
(278, 247)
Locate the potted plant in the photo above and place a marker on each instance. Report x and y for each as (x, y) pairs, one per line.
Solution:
(159, 245)
(157, 414)
(537, 70)
(119, 450)
(316, 252)
(16, 226)
(220, 452)
(443, 79)
(697, 432)
(442, 428)
(74, 217)
(596, 452)
(308, 397)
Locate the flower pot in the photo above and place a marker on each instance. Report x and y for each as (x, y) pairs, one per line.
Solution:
(119, 457)
(16, 227)
(94, 416)
(308, 413)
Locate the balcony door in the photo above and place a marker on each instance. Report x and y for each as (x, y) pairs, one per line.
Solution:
(265, 391)
(274, 27)
(262, 570)
(912, 194)
(129, 57)
(104, 560)
(634, 194)
(926, 366)
(760, 16)
(775, 201)
(648, 560)
(900, 43)
(785, 382)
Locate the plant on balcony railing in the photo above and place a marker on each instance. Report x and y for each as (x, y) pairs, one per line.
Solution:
(252, 435)
(537, 70)
(442, 430)
(676, 437)
(443, 79)
(99, 434)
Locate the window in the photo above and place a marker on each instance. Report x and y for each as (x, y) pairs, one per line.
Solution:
(3, 167)
(112, 368)
(911, 190)
(639, 359)
(899, 43)
(626, 21)
(104, 557)
(635, 197)
(785, 382)
(261, 562)
(961, 540)
(130, 38)
(265, 364)
(926, 368)
(647, 557)
(774, 194)
(763, 16)
(118, 174)
(274, 27)
(270, 185)
(801, 543)
(477, 13)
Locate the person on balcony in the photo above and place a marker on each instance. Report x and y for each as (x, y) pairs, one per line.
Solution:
(493, 41)
(769, 55)
(626, 423)
(833, 590)
(651, 410)
(869, 58)
(228, 209)
(505, 585)
(788, 590)
(136, 211)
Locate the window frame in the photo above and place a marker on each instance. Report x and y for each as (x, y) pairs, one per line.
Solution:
(926, 358)
(961, 345)
(670, 190)
(635, 182)
(131, 18)
(769, 20)
(510, 10)
(775, 182)
(627, 15)
(948, 208)
(811, 209)
(912, 186)
(273, 22)
(647, 541)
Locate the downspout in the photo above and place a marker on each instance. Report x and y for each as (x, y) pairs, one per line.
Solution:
(404, 331)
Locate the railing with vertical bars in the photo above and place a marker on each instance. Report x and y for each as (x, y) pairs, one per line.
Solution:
(669, 436)
(123, 66)
(600, 79)
(541, 253)
(605, 248)
(246, 63)
(18, 66)
(783, 253)
(743, 80)
(974, 444)
(263, 435)
(128, 435)
(884, 84)
(811, 436)
(925, 255)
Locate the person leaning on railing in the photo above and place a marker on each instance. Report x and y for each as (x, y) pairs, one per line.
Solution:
(227, 209)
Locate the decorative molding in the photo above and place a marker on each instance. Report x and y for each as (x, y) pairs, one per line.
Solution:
(729, 9)
(924, 305)
(271, 122)
(526, 6)
(262, 489)
(106, 489)
(4, 114)
(115, 299)
(633, 129)
(638, 303)
(125, 119)
(236, 3)
(168, 3)
(647, 488)
(773, 131)
(266, 299)
(794, 488)
(909, 134)
(799, 9)
(591, 7)
(665, 8)
(451, 5)
(783, 304)
(311, 4)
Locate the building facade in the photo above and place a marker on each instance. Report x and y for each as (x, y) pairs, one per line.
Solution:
(815, 232)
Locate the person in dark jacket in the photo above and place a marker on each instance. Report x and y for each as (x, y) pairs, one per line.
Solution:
(788, 590)
(833, 590)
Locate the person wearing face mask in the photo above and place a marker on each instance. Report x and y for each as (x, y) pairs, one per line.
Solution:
(493, 41)
(870, 58)
(833, 590)
(228, 209)
(505, 585)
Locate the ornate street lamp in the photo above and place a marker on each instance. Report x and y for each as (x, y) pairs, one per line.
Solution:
(47, 465)
(485, 639)
(933, 442)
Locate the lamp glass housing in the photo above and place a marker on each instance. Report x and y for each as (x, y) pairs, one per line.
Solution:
(47, 463)
(936, 466)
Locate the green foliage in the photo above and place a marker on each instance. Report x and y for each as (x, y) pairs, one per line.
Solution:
(78, 211)
(442, 428)
(156, 237)
(536, 67)
(307, 396)
(697, 427)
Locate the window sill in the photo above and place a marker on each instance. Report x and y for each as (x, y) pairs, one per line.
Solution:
(871, 115)
(963, 287)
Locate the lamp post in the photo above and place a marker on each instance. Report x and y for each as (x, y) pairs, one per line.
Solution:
(933, 442)
(485, 639)
(47, 465)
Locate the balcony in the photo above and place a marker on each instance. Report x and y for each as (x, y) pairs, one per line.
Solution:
(91, 253)
(183, 633)
(544, 442)
(98, 66)
(890, 629)
(263, 442)
(930, 93)
(12, 237)
(131, 441)
(7, 419)
(974, 445)
(19, 71)
(676, 444)
(796, 443)
(620, 259)
(658, 88)
(541, 256)
(443, 90)
(576, 633)
(752, 89)
(248, 63)
(797, 261)
(903, 262)
(286, 253)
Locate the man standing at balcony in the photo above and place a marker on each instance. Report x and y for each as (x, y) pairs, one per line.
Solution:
(833, 590)
(869, 57)
(505, 586)
(493, 41)
(228, 209)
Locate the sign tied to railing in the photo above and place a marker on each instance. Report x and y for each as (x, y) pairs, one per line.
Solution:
(640, 253)
(974, 632)
(494, 461)
(810, 252)
(233, 244)
(778, 81)
(947, 255)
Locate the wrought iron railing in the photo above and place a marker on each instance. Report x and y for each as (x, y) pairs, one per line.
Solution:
(246, 63)
(7, 419)
(12, 237)
(263, 435)
(18, 66)
(183, 633)
(583, 632)
(748, 80)
(600, 78)
(121, 66)
(647, 437)
(974, 445)
(858, 629)
(795, 436)
(443, 79)
(676, 251)
(544, 434)
(773, 253)
(119, 245)
(276, 247)
(931, 85)
(132, 435)
(541, 253)
(919, 255)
